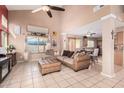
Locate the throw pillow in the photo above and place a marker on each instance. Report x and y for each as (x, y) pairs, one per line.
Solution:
(74, 54)
(70, 54)
(65, 53)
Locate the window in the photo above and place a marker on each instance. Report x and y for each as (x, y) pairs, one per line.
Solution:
(4, 39)
(78, 43)
(90, 43)
(74, 43)
(36, 44)
(71, 44)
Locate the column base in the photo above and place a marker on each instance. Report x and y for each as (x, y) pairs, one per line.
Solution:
(109, 76)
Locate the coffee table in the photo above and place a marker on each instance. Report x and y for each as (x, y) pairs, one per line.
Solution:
(49, 65)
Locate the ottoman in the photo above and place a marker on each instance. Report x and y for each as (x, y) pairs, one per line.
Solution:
(49, 65)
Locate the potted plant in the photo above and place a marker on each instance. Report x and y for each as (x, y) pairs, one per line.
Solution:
(11, 48)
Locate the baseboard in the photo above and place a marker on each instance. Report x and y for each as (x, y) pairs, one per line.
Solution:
(110, 76)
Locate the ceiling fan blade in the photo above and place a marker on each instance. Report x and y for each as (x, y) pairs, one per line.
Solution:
(36, 10)
(56, 8)
(49, 13)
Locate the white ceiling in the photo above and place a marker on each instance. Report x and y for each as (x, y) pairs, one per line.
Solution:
(22, 7)
(25, 7)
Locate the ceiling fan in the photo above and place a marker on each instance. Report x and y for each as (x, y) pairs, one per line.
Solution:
(47, 8)
(89, 34)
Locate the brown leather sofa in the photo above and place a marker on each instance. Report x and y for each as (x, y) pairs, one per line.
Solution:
(78, 62)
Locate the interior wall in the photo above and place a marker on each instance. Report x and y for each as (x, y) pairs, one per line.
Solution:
(77, 16)
(118, 10)
(24, 18)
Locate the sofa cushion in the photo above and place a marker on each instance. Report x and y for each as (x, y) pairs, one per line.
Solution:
(60, 58)
(65, 53)
(68, 60)
(80, 54)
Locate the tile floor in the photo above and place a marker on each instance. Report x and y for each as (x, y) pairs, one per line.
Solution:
(27, 75)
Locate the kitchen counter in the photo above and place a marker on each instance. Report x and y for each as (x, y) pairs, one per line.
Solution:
(3, 58)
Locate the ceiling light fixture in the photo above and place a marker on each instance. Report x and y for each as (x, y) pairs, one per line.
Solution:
(45, 8)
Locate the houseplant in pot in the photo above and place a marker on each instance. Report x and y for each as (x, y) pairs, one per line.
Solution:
(11, 48)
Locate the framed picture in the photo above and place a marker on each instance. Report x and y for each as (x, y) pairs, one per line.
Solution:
(54, 34)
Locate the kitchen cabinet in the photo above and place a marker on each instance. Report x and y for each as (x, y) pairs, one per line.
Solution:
(13, 56)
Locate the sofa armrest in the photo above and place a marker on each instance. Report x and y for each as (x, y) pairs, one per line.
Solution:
(81, 57)
(81, 61)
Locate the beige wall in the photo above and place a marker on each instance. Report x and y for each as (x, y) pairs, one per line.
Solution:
(77, 16)
(24, 18)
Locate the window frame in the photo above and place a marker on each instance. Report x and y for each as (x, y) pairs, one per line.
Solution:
(4, 39)
(37, 45)
(74, 45)
(91, 46)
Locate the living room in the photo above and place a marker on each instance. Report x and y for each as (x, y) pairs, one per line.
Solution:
(33, 37)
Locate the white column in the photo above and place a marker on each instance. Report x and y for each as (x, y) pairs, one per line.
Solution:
(108, 46)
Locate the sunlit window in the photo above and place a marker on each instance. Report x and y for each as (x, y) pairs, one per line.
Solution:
(4, 39)
(90, 43)
(74, 43)
(78, 43)
(36, 44)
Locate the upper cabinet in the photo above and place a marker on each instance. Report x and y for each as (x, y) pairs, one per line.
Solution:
(3, 18)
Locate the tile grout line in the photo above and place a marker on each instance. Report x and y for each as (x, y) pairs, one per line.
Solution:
(117, 83)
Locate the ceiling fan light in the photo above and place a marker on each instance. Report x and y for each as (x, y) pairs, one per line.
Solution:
(88, 35)
(45, 8)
